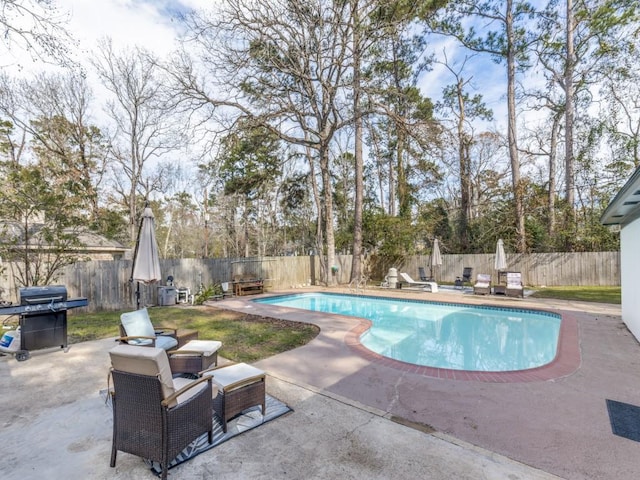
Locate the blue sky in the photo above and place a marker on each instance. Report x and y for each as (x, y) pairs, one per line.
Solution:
(151, 24)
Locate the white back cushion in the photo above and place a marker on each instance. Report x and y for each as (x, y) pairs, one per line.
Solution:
(151, 361)
(138, 324)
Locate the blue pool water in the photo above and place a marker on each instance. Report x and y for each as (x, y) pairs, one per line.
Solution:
(444, 335)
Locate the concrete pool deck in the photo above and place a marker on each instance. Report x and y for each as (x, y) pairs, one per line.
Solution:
(558, 425)
(353, 418)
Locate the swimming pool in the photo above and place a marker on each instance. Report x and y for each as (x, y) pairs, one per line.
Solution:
(443, 335)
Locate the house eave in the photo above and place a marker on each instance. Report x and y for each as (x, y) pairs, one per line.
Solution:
(625, 206)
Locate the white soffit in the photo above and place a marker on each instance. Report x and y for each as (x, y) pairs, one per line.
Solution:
(625, 207)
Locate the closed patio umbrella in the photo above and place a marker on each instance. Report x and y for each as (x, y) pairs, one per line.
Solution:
(146, 263)
(501, 258)
(436, 258)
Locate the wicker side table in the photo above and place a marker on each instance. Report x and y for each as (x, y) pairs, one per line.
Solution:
(499, 289)
(240, 386)
(194, 356)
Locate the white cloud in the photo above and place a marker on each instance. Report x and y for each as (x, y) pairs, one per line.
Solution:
(152, 24)
(126, 22)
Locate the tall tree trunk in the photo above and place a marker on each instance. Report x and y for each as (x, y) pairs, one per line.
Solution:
(375, 146)
(328, 214)
(245, 229)
(392, 186)
(404, 207)
(465, 172)
(553, 152)
(316, 195)
(356, 265)
(512, 132)
(570, 113)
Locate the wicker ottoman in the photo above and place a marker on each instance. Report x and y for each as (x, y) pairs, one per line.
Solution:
(194, 356)
(240, 386)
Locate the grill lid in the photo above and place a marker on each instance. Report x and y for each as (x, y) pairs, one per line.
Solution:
(45, 294)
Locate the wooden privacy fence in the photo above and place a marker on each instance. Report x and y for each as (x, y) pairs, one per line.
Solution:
(106, 283)
(538, 269)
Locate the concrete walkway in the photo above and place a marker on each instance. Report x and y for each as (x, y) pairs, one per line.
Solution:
(352, 419)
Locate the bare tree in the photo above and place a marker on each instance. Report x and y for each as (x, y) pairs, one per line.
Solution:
(37, 27)
(281, 65)
(465, 109)
(54, 111)
(145, 129)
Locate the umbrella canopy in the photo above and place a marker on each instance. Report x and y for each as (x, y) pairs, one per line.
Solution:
(436, 258)
(146, 263)
(501, 258)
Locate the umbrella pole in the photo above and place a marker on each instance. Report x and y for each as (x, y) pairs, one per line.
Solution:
(135, 257)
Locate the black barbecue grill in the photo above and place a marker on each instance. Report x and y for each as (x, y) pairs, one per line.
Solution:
(43, 317)
(46, 327)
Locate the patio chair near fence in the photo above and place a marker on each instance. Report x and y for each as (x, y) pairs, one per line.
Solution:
(482, 285)
(227, 291)
(514, 286)
(467, 273)
(422, 274)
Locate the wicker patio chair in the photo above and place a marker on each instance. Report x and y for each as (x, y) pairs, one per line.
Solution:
(482, 285)
(136, 329)
(154, 415)
(514, 285)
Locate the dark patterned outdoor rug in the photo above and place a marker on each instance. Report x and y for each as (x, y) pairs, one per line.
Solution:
(625, 419)
(247, 420)
(250, 418)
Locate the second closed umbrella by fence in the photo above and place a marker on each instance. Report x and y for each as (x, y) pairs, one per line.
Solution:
(436, 257)
(146, 262)
(501, 259)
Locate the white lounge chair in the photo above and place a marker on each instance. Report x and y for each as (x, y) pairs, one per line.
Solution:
(433, 286)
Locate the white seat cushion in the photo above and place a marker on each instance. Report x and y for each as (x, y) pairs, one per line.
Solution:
(206, 347)
(166, 342)
(234, 373)
(180, 382)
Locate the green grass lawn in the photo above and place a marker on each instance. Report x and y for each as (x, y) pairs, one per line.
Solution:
(245, 338)
(585, 294)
